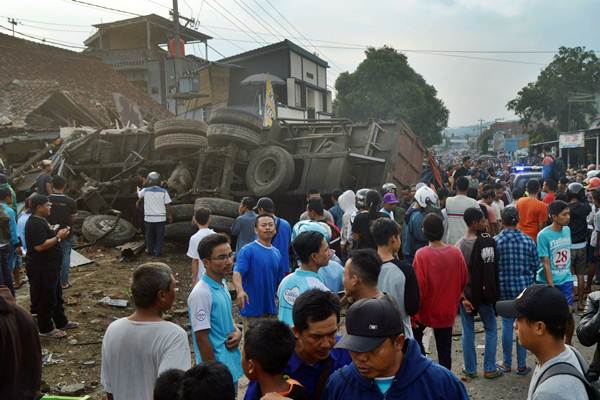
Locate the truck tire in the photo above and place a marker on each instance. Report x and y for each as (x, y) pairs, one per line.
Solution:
(182, 212)
(173, 125)
(184, 230)
(179, 140)
(216, 206)
(271, 170)
(236, 117)
(222, 134)
(95, 226)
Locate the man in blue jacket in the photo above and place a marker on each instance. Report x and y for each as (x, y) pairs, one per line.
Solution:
(386, 365)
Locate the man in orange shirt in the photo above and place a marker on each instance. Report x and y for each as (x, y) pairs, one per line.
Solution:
(533, 213)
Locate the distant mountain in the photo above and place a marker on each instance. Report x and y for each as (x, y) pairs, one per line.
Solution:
(463, 131)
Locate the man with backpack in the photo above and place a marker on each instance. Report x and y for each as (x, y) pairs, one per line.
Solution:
(541, 313)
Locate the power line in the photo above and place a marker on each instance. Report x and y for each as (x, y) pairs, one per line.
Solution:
(105, 8)
(217, 51)
(260, 38)
(46, 23)
(262, 22)
(273, 18)
(228, 40)
(159, 4)
(229, 19)
(52, 29)
(45, 40)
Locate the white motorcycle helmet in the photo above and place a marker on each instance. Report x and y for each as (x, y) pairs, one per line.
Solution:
(389, 188)
(425, 195)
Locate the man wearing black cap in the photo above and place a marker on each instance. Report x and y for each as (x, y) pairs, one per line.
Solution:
(541, 313)
(43, 268)
(283, 235)
(517, 263)
(384, 363)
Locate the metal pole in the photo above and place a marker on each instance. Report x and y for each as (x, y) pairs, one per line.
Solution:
(177, 55)
(597, 151)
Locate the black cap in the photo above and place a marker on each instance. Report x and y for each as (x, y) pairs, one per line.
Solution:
(537, 303)
(369, 322)
(510, 216)
(37, 200)
(266, 204)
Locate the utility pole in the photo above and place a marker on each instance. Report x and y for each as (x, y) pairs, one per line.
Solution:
(14, 23)
(177, 55)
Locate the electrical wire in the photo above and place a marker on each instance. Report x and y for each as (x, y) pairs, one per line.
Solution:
(45, 23)
(33, 26)
(158, 4)
(228, 19)
(105, 8)
(44, 39)
(260, 38)
(262, 22)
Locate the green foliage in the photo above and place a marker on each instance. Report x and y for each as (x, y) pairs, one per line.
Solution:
(573, 71)
(385, 87)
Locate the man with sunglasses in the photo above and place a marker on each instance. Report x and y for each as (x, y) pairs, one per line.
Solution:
(215, 336)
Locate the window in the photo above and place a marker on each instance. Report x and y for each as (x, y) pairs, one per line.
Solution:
(298, 93)
(310, 75)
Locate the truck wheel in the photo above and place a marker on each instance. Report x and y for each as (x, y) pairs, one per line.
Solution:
(216, 206)
(173, 125)
(222, 134)
(221, 224)
(78, 219)
(236, 117)
(95, 226)
(182, 212)
(271, 170)
(179, 140)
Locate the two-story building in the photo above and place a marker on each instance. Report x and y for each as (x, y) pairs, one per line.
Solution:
(299, 81)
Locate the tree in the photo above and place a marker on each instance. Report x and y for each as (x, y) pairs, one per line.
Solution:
(385, 87)
(545, 102)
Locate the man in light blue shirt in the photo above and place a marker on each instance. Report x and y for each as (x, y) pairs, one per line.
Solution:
(215, 336)
(313, 251)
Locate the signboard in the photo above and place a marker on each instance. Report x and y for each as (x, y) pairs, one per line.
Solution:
(270, 110)
(571, 140)
(511, 144)
(498, 141)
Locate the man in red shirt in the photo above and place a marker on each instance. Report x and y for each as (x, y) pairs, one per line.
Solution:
(533, 214)
(441, 286)
(550, 189)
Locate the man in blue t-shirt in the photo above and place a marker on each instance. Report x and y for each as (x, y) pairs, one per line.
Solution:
(554, 249)
(283, 236)
(214, 334)
(313, 251)
(257, 272)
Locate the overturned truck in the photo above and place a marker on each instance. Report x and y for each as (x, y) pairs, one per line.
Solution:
(232, 156)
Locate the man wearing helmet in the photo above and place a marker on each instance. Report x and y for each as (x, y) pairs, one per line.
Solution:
(580, 209)
(156, 213)
(413, 237)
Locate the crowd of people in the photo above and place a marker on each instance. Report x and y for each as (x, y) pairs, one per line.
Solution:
(398, 260)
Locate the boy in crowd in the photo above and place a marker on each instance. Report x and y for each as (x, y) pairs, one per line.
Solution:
(243, 226)
(215, 336)
(480, 294)
(554, 249)
(313, 252)
(167, 385)
(201, 220)
(542, 316)
(268, 345)
(361, 273)
(207, 381)
(441, 286)
(316, 316)
(396, 278)
(385, 364)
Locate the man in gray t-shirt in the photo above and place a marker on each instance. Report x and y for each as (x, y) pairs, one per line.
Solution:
(542, 313)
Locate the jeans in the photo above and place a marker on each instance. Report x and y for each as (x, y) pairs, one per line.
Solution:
(66, 246)
(443, 343)
(6, 277)
(507, 339)
(155, 235)
(488, 317)
(47, 300)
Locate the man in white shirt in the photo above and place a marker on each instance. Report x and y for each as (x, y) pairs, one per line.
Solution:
(138, 348)
(156, 213)
(541, 313)
(201, 220)
(455, 210)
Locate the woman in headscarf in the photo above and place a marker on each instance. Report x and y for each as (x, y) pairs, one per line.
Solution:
(347, 203)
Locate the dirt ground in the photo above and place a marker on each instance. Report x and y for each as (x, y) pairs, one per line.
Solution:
(76, 358)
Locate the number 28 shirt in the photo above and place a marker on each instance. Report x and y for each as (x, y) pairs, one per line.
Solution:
(557, 247)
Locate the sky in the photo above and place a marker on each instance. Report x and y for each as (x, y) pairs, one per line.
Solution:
(459, 46)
